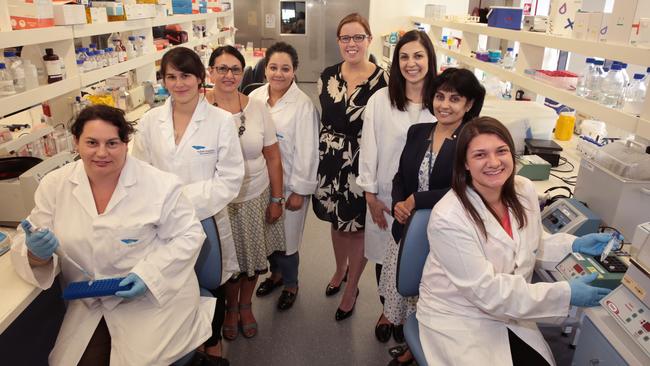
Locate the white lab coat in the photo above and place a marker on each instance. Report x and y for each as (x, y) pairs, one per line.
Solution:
(382, 140)
(473, 290)
(208, 159)
(148, 206)
(296, 121)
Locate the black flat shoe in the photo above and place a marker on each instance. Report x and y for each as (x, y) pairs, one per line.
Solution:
(210, 360)
(333, 290)
(267, 287)
(286, 300)
(340, 314)
(383, 332)
(398, 333)
(398, 350)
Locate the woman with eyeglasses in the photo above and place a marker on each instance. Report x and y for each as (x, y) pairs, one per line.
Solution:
(198, 142)
(256, 213)
(344, 90)
(296, 120)
(390, 112)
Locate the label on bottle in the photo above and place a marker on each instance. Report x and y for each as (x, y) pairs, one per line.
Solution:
(53, 68)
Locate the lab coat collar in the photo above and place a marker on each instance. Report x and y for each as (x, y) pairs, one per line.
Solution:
(291, 95)
(166, 115)
(492, 225)
(83, 193)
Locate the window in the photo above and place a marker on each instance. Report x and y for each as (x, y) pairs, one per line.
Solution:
(292, 15)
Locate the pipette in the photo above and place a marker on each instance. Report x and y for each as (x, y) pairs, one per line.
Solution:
(61, 253)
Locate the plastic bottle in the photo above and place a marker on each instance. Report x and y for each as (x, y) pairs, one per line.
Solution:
(612, 87)
(92, 47)
(80, 66)
(102, 59)
(91, 62)
(647, 77)
(582, 86)
(15, 66)
(112, 56)
(509, 59)
(131, 53)
(53, 66)
(82, 55)
(635, 95)
(6, 82)
(595, 80)
(119, 48)
(139, 46)
(626, 77)
(31, 75)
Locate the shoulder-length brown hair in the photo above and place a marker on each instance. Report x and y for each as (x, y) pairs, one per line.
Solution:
(461, 178)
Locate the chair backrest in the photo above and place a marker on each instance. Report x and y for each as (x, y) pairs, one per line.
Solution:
(247, 77)
(258, 71)
(413, 252)
(208, 264)
(250, 87)
(372, 59)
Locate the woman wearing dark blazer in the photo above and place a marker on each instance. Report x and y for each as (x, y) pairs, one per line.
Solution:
(424, 174)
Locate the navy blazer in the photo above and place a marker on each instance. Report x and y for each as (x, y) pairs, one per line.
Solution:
(405, 182)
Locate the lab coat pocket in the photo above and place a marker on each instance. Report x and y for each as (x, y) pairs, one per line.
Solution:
(131, 245)
(202, 167)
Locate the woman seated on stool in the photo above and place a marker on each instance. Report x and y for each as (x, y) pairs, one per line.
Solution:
(477, 305)
(117, 217)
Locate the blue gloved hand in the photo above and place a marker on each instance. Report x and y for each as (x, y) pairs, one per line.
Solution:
(593, 244)
(136, 290)
(584, 295)
(41, 244)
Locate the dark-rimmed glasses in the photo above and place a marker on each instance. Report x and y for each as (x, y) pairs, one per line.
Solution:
(357, 38)
(236, 70)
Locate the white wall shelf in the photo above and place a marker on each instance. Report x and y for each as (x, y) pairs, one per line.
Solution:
(624, 53)
(34, 36)
(87, 30)
(16, 102)
(91, 77)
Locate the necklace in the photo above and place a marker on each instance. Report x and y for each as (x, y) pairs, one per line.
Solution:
(242, 116)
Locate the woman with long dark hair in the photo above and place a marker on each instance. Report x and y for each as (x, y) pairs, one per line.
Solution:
(390, 112)
(477, 303)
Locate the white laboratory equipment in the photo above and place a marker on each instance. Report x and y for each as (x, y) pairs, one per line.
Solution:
(569, 216)
(17, 194)
(615, 184)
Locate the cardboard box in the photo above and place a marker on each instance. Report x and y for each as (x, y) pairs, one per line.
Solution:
(140, 11)
(505, 17)
(593, 6)
(587, 26)
(619, 22)
(644, 31)
(561, 18)
(68, 14)
(96, 15)
(32, 14)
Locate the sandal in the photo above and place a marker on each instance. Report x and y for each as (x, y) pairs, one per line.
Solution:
(230, 332)
(248, 330)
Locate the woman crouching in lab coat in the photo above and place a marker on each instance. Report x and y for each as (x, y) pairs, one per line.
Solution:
(477, 305)
(198, 142)
(117, 216)
(296, 121)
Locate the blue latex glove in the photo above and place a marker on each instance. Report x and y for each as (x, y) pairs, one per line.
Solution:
(136, 290)
(42, 244)
(584, 295)
(592, 244)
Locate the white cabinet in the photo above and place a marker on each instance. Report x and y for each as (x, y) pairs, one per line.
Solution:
(531, 55)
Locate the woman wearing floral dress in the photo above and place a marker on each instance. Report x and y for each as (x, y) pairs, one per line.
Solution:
(344, 90)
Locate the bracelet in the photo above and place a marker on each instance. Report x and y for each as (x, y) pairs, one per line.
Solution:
(279, 200)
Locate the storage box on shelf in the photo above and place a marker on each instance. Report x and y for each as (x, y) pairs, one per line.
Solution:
(531, 54)
(62, 39)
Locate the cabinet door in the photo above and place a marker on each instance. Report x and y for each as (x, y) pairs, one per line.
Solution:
(594, 349)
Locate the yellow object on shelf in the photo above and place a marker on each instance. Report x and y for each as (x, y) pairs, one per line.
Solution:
(564, 126)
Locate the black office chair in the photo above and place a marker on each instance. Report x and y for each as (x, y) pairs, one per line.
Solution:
(247, 78)
(258, 72)
(250, 87)
(372, 59)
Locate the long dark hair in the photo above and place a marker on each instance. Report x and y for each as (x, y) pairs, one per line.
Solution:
(461, 178)
(185, 60)
(396, 81)
(463, 82)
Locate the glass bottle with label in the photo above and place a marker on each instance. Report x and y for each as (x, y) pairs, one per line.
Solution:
(53, 66)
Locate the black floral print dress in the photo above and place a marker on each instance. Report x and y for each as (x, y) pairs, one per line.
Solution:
(338, 198)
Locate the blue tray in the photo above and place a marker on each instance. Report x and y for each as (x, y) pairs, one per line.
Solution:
(105, 287)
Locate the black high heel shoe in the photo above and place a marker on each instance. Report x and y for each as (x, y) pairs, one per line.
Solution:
(333, 290)
(340, 314)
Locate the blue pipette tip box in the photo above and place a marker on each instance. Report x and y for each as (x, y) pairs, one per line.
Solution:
(105, 287)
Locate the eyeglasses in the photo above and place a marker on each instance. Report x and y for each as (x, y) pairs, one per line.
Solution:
(358, 38)
(236, 70)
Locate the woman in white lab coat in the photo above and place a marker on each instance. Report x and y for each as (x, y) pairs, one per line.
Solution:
(296, 120)
(477, 305)
(256, 213)
(390, 112)
(117, 216)
(198, 142)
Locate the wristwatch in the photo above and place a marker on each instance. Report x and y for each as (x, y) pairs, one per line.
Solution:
(279, 200)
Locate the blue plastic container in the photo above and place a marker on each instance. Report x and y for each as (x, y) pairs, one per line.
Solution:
(505, 17)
